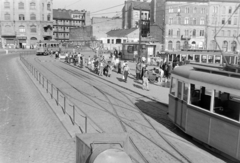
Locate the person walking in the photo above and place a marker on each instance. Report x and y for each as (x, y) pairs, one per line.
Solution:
(119, 67)
(145, 80)
(138, 70)
(101, 68)
(125, 72)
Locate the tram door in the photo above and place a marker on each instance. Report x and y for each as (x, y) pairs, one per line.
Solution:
(181, 105)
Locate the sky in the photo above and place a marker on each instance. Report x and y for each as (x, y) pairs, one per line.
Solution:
(92, 6)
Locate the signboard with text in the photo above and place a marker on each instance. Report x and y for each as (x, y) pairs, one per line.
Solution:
(77, 16)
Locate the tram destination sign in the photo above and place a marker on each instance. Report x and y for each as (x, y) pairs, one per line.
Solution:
(76, 16)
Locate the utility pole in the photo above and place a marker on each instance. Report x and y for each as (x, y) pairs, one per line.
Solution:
(140, 35)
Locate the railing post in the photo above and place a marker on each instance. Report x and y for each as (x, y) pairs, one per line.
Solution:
(39, 78)
(64, 105)
(86, 124)
(73, 114)
(57, 96)
(51, 90)
(47, 85)
(43, 81)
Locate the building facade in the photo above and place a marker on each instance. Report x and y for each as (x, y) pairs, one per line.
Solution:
(64, 20)
(25, 22)
(102, 25)
(157, 20)
(185, 25)
(221, 13)
(131, 16)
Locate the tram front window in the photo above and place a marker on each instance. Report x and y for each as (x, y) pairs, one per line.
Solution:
(200, 96)
(197, 58)
(217, 59)
(227, 105)
(210, 59)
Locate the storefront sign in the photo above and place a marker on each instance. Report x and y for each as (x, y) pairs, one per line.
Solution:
(76, 16)
(21, 37)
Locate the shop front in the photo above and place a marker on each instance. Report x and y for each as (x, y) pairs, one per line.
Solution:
(9, 42)
(22, 42)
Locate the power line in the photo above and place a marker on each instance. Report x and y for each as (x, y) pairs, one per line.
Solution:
(73, 3)
(108, 8)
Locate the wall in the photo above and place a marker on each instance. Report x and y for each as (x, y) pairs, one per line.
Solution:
(81, 33)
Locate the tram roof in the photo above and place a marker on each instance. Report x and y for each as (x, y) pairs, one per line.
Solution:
(202, 52)
(209, 75)
(52, 42)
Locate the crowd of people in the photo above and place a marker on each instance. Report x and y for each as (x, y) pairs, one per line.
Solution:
(104, 67)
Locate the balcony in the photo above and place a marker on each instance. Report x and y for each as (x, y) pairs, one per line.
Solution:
(48, 33)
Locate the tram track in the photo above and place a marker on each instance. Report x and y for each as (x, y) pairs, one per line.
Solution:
(122, 122)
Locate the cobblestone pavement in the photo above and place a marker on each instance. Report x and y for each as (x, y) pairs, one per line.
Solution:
(101, 99)
(29, 130)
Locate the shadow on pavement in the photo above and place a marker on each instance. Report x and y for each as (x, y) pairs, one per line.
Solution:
(137, 86)
(120, 79)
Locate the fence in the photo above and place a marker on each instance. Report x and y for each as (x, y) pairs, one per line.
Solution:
(68, 107)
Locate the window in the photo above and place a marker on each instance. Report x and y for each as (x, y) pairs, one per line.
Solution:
(173, 89)
(202, 21)
(227, 105)
(42, 17)
(230, 10)
(33, 29)
(195, 10)
(210, 59)
(201, 33)
(112, 41)
(170, 45)
(229, 21)
(187, 10)
(32, 6)
(49, 17)
(204, 59)
(7, 16)
(179, 20)
(118, 41)
(21, 17)
(170, 32)
(7, 5)
(185, 92)
(214, 20)
(223, 33)
(32, 17)
(235, 21)
(21, 29)
(203, 10)
(229, 33)
(224, 10)
(200, 97)
(20, 5)
(234, 46)
(43, 6)
(178, 45)
(48, 6)
(178, 32)
(194, 33)
(194, 21)
(215, 9)
(179, 95)
(170, 20)
(186, 20)
(224, 47)
(223, 21)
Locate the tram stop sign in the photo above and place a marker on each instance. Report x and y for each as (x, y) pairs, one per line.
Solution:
(102, 148)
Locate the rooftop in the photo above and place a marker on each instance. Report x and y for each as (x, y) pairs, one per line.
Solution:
(120, 32)
(66, 14)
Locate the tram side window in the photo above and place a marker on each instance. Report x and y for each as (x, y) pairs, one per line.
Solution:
(227, 105)
(179, 95)
(204, 59)
(200, 96)
(173, 87)
(185, 92)
(190, 57)
(210, 59)
(197, 58)
(217, 59)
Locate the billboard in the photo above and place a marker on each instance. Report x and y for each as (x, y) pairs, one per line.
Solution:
(77, 16)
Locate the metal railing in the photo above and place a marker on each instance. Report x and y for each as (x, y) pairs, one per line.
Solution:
(74, 112)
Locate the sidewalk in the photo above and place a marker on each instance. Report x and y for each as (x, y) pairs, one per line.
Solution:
(157, 92)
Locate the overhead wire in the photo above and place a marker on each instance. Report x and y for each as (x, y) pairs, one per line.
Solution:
(73, 3)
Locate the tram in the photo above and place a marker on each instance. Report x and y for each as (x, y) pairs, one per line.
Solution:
(204, 102)
(44, 47)
(213, 57)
